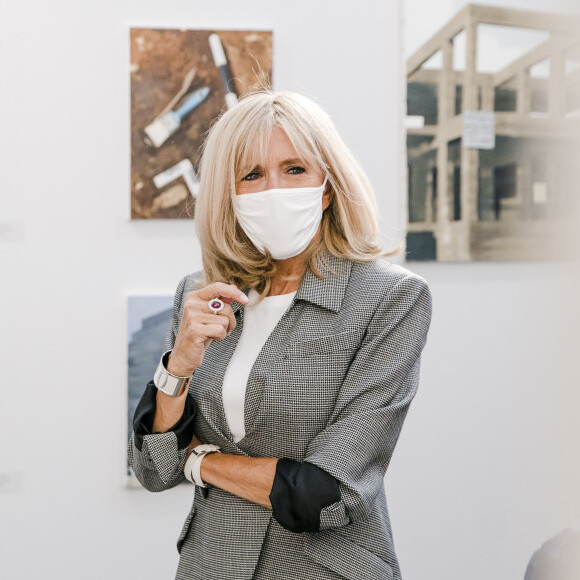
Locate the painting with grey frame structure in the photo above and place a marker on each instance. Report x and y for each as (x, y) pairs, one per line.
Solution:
(493, 131)
(148, 319)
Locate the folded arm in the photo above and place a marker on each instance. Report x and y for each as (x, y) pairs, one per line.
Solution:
(345, 464)
(358, 442)
(158, 458)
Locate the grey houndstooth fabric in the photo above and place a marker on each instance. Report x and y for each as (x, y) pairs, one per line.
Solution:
(331, 386)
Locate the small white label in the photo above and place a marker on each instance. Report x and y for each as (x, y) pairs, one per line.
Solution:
(414, 122)
(540, 192)
(478, 129)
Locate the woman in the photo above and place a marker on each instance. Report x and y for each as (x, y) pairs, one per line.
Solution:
(303, 346)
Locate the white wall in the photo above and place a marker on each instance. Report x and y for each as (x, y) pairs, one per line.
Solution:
(485, 469)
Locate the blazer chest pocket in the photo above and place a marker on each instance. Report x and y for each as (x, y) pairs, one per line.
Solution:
(324, 345)
(311, 374)
(185, 529)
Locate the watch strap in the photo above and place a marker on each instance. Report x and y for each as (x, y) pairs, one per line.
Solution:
(196, 470)
(192, 468)
(188, 467)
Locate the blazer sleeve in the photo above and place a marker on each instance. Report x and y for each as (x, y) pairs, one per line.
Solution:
(158, 458)
(358, 442)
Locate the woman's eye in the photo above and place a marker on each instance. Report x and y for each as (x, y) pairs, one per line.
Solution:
(251, 176)
(296, 170)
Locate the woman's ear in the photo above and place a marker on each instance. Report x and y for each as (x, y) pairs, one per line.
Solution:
(327, 196)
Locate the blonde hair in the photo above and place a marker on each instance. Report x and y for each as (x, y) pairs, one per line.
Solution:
(236, 143)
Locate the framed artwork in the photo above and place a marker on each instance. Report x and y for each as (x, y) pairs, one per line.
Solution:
(148, 320)
(493, 131)
(181, 80)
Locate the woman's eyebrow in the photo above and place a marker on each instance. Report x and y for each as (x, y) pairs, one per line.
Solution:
(293, 161)
(284, 163)
(250, 167)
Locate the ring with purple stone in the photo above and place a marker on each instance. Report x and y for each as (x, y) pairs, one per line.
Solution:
(215, 305)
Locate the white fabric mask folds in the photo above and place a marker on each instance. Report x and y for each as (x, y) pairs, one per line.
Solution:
(284, 221)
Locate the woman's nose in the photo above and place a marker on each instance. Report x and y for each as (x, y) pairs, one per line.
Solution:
(272, 181)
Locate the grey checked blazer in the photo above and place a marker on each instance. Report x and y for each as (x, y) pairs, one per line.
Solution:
(331, 386)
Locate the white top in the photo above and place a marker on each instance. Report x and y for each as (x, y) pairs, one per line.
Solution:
(259, 322)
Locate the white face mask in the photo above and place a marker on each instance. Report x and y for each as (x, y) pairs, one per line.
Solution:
(284, 221)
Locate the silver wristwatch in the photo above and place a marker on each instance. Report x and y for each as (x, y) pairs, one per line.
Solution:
(165, 381)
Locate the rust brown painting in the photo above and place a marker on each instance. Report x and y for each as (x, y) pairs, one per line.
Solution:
(169, 69)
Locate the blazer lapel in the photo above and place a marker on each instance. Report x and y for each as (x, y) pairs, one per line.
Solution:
(207, 382)
(326, 293)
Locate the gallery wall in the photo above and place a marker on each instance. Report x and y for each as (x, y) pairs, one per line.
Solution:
(485, 470)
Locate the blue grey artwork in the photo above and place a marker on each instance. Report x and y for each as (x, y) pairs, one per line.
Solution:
(147, 321)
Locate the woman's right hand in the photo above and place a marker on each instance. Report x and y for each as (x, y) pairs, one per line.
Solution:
(199, 326)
